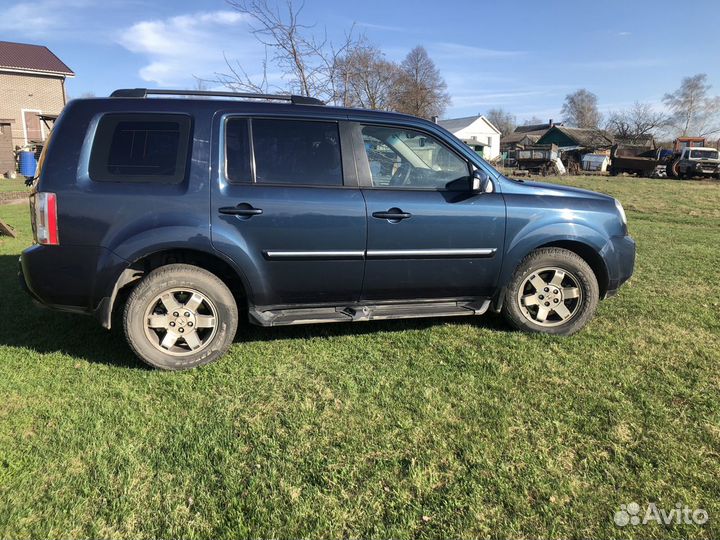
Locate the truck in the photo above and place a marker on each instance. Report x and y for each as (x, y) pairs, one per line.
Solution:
(672, 162)
(696, 162)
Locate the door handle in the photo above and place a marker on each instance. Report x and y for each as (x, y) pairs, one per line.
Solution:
(242, 210)
(394, 214)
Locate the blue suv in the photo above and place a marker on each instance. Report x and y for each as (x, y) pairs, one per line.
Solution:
(176, 212)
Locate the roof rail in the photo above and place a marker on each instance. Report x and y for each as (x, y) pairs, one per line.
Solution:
(145, 92)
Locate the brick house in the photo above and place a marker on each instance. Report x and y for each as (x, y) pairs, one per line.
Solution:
(32, 93)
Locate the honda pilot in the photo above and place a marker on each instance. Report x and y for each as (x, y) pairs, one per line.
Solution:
(175, 213)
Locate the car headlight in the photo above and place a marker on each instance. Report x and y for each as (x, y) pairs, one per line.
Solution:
(621, 211)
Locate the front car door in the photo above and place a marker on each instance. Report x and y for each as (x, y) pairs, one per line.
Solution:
(286, 209)
(429, 235)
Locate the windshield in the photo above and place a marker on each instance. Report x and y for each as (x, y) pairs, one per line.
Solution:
(704, 154)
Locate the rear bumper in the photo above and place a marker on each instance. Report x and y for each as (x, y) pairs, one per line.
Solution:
(69, 278)
(619, 255)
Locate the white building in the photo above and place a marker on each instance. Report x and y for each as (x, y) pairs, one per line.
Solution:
(476, 131)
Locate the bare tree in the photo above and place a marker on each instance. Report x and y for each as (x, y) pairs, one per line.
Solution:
(581, 110)
(420, 89)
(533, 121)
(237, 79)
(308, 62)
(200, 84)
(636, 122)
(503, 120)
(693, 110)
(364, 78)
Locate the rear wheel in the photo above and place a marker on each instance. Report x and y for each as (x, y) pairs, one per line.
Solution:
(179, 317)
(553, 291)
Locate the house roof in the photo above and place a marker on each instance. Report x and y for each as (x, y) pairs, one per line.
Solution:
(536, 127)
(25, 57)
(456, 124)
(585, 137)
(637, 140)
(516, 137)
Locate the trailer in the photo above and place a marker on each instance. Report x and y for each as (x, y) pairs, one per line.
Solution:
(542, 159)
(638, 160)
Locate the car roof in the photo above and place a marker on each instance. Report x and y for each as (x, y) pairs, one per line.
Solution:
(188, 103)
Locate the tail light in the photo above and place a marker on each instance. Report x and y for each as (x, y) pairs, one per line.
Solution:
(45, 217)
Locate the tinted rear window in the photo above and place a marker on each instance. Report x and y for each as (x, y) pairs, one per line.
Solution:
(237, 151)
(140, 148)
(300, 152)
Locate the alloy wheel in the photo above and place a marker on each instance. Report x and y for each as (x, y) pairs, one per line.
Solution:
(180, 322)
(550, 296)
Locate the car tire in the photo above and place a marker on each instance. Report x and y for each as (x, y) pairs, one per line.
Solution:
(553, 291)
(179, 317)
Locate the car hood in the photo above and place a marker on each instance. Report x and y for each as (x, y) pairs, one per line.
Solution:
(543, 188)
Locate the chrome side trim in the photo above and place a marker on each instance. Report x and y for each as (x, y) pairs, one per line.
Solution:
(430, 253)
(292, 255)
(382, 254)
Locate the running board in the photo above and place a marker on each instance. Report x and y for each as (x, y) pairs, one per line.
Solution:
(355, 313)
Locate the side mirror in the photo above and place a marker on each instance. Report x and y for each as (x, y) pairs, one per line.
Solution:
(480, 182)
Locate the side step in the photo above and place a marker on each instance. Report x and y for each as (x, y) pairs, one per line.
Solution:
(361, 312)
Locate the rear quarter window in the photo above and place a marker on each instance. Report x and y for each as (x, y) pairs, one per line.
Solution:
(141, 148)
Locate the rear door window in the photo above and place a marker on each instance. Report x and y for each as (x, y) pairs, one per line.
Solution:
(141, 148)
(297, 152)
(237, 151)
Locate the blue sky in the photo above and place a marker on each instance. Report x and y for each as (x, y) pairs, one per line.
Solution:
(523, 56)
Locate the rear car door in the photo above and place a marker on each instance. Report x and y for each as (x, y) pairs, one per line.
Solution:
(286, 208)
(429, 235)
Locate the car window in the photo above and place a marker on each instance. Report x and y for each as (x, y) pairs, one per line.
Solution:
(405, 158)
(140, 148)
(300, 152)
(704, 154)
(237, 151)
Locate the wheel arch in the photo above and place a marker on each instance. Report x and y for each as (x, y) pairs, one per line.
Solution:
(590, 255)
(588, 251)
(142, 264)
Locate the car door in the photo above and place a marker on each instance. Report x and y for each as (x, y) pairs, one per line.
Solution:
(285, 210)
(429, 235)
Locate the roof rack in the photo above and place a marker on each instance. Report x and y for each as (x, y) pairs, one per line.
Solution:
(145, 92)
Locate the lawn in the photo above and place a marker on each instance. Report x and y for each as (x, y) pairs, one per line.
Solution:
(426, 428)
(17, 185)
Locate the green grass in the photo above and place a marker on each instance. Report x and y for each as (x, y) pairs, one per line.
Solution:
(429, 429)
(17, 185)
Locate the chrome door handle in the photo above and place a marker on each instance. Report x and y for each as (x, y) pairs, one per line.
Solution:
(394, 214)
(242, 209)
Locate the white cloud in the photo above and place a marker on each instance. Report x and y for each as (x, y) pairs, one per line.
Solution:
(460, 99)
(467, 52)
(47, 19)
(622, 63)
(382, 27)
(183, 46)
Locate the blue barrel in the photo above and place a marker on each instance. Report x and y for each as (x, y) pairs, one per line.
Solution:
(28, 165)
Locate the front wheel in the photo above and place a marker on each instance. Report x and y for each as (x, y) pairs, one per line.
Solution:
(179, 317)
(553, 291)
